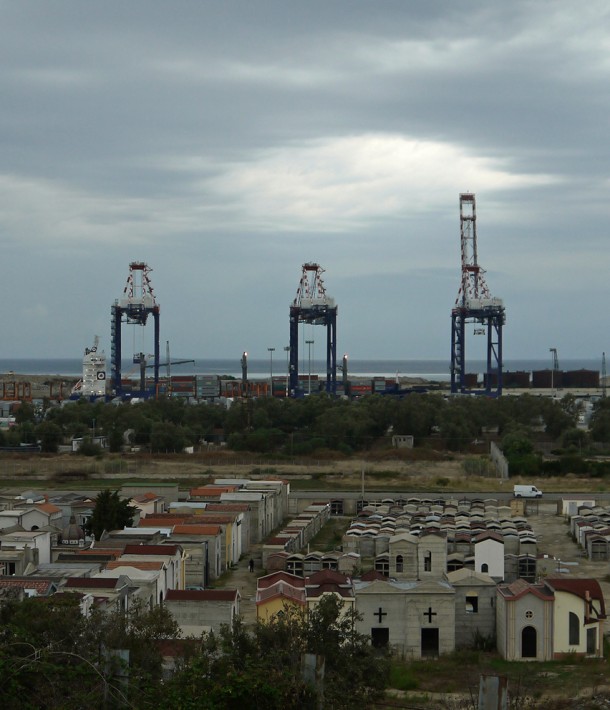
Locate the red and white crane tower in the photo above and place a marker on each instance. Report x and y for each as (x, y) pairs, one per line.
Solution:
(475, 304)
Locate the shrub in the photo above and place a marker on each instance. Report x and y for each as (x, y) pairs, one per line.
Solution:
(402, 677)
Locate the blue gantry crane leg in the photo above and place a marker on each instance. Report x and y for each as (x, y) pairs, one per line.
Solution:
(312, 305)
(137, 304)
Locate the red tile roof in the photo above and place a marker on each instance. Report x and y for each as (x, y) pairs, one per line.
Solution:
(192, 529)
(48, 508)
(203, 595)
(151, 550)
(326, 576)
(275, 577)
(277, 540)
(519, 588)
(212, 491)
(233, 507)
(372, 575)
(587, 589)
(92, 582)
(164, 520)
(42, 586)
(98, 552)
(315, 592)
(145, 498)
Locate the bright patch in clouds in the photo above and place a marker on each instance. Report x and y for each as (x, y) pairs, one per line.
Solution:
(340, 183)
(331, 185)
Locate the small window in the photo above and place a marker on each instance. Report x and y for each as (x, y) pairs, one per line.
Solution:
(527, 568)
(529, 614)
(427, 561)
(383, 565)
(399, 563)
(472, 604)
(574, 629)
(485, 568)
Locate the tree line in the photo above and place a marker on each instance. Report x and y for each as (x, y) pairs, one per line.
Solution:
(53, 656)
(299, 427)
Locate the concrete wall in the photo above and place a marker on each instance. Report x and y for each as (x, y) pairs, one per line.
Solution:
(481, 620)
(212, 614)
(489, 552)
(405, 609)
(564, 604)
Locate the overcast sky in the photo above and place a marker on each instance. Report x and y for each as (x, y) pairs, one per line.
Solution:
(226, 143)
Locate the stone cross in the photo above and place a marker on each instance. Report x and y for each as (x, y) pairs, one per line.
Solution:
(429, 614)
(380, 613)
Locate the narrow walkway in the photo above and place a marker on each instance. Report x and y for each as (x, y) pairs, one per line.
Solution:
(240, 578)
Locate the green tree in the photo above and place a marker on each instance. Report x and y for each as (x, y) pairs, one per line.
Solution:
(25, 413)
(262, 669)
(51, 656)
(115, 440)
(575, 439)
(519, 451)
(167, 437)
(517, 444)
(50, 436)
(110, 513)
(599, 426)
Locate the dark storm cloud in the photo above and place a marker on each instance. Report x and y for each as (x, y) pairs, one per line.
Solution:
(228, 142)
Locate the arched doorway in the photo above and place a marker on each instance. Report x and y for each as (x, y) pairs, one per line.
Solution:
(529, 642)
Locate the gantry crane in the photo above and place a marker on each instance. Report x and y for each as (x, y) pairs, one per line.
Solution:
(312, 305)
(475, 304)
(137, 304)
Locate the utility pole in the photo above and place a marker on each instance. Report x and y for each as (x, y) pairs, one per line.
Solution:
(287, 351)
(271, 351)
(244, 373)
(555, 369)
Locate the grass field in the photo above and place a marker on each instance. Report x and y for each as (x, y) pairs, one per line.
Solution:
(534, 684)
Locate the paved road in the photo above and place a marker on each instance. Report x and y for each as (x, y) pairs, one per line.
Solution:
(437, 495)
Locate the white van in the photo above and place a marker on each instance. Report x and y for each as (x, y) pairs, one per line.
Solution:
(527, 492)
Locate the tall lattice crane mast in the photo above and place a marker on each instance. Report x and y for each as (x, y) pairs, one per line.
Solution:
(137, 304)
(474, 304)
(473, 286)
(313, 305)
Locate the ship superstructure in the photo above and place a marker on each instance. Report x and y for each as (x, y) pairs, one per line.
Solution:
(94, 371)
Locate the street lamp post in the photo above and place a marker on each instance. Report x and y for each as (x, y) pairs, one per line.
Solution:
(287, 351)
(271, 351)
(555, 366)
(309, 344)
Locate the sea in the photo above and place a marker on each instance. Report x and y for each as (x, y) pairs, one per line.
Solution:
(436, 370)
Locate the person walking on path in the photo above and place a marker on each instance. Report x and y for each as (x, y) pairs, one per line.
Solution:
(251, 565)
